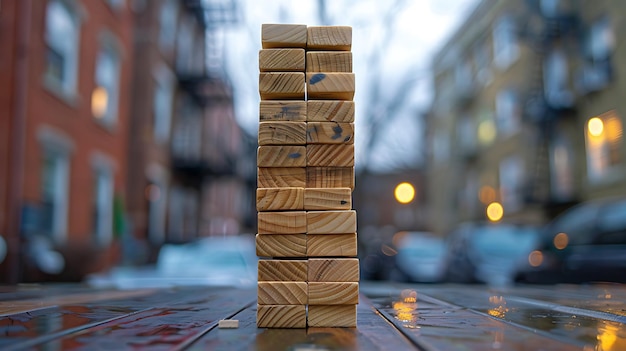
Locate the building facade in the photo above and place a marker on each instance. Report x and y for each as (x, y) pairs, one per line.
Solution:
(527, 111)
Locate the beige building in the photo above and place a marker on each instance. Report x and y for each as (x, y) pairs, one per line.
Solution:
(527, 111)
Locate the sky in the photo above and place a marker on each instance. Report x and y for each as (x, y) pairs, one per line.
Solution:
(419, 28)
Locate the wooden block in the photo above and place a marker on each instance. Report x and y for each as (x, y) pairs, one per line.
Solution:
(331, 245)
(283, 35)
(281, 245)
(281, 156)
(333, 293)
(329, 61)
(329, 38)
(290, 85)
(282, 60)
(287, 110)
(329, 133)
(282, 293)
(327, 199)
(283, 133)
(330, 177)
(228, 324)
(279, 199)
(329, 222)
(281, 177)
(325, 155)
(332, 316)
(281, 316)
(291, 222)
(329, 86)
(333, 270)
(330, 111)
(282, 270)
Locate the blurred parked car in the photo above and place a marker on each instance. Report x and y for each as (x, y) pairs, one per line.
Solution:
(584, 244)
(421, 257)
(213, 261)
(488, 252)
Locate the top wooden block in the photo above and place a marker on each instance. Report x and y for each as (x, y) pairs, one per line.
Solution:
(284, 36)
(329, 38)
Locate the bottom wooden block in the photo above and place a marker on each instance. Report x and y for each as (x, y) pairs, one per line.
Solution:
(281, 316)
(331, 245)
(332, 316)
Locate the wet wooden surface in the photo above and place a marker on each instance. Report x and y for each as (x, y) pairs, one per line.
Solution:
(390, 317)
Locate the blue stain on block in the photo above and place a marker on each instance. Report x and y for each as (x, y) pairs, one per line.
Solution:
(295, 155)
(316, 78)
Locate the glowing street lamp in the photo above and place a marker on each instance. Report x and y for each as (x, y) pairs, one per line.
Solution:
(404, 193)
(495, 211)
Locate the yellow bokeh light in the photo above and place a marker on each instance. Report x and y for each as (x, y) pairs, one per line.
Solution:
(595, 126)
(613, 129)
(535, 258)
(495, 211)
(560, 241)
(486, 132)
(99, 101)
(404, 193)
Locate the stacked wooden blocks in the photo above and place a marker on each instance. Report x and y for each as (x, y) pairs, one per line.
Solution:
(308, 273)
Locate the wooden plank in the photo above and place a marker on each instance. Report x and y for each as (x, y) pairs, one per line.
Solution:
(329, 38)
(276, 177)
(329, 133)
(329, 222)
(333, 270)
(330, 111)
(329, 61)
(282, 133)
(291, 222)
(283, 35)
(327, 199)
(331, 245)
(282, 270)
(282, 60)
(281, 245)
(333, 293)
(279, 199)
(281, 156)
(332, 316)
(282, 293)
(285, 110)
(290, 85)
(330, 177)
(324, 155)
(329, 86)
(281, 316)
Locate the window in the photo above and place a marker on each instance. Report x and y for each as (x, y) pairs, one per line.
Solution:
(116, 5)
(505, 50)
(508, 112)
(441, 146)
(156, 195)
(62, 37)
(466, 134)
(511, 182)
(601, 40)
(481, 60)
(556, 80)
(105, 97)
(604, 138)
(54, 194)
(162, 111)
(561, 168)
(185, 49)
(168, 17)
(103, 206)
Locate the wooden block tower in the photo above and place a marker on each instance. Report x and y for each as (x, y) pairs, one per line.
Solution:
(308, 272)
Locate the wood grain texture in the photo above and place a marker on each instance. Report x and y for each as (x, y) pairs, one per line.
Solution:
(330, 86)
(281, 156)
(282, 270)
(282, 133)
(279, 199)
(331, 245)
(285, 110)
(330, 111)
(281, 316)
(287, 85)
(327, 199)
(290, 222)
(276, 177)
(333, 293)
(333, 270)
(329, 61)
(283, 35)
(281, 60)
(330, 222)
(282, 293)
(325, 155)
(330, 177)
(329, 38)
(332, 316)
(329, 133)
(281, 245)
